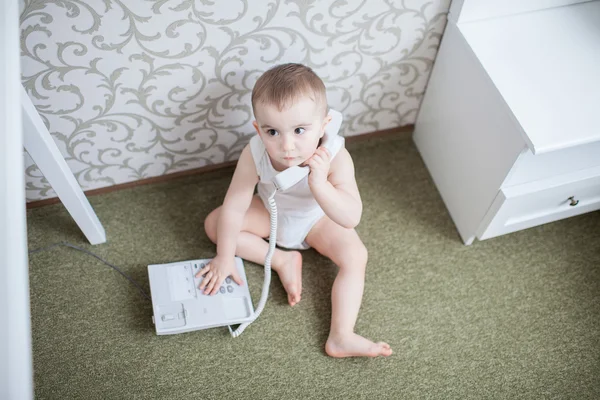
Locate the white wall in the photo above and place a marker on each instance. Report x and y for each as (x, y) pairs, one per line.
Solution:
(160, 87)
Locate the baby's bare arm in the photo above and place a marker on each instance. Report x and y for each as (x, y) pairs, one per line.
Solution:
(339, 196)
(236, 203)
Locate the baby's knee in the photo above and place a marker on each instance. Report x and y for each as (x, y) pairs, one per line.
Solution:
(356, 256)
(362, 254)
(210, 225)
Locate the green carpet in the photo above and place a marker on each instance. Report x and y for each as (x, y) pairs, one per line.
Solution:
(512, 317)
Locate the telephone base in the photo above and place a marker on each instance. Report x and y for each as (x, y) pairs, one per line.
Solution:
(179, 306)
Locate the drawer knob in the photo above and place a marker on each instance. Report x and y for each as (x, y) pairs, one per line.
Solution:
(573, 202)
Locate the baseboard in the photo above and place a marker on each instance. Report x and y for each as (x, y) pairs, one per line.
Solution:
(402, 131)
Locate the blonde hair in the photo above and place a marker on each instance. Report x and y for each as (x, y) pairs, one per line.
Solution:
(282, 85)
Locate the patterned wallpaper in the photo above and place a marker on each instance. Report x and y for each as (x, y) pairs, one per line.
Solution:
(136, 89)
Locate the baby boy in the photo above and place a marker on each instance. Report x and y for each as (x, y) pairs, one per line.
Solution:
(321, 211)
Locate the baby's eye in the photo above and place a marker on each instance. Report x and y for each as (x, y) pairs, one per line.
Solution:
(272, 132)
(299, 131)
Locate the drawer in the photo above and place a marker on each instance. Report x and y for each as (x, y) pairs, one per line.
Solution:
(535, 203)
(529, 167)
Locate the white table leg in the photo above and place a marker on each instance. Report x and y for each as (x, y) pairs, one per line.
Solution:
(41, 147)
(16, 361)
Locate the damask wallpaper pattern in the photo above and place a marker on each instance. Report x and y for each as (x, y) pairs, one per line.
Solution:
(136, 89)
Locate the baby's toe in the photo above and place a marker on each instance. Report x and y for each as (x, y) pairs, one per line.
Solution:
(293, 299)
(385, 350)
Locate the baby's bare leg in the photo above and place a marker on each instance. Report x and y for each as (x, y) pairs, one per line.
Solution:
(251, 246)
(346, 250)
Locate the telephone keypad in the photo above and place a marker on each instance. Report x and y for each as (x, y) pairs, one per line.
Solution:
(224, 289)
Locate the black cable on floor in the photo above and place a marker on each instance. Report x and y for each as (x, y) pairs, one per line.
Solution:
(94, 255)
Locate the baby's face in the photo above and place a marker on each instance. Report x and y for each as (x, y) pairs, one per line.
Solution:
(291, 135)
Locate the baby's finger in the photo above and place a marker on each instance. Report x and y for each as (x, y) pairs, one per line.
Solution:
(317, 158)
(320, 162)
(321, 152)
(203, 271)
(218, 283)
(325, 152)
(237, 279)
(312, 163)
(206, 280)
(211, 284)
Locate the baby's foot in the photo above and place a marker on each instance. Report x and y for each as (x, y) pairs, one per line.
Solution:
(289, 269)
(354, 345)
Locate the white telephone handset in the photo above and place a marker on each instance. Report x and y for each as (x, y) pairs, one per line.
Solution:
(283, 181)
(331, 140)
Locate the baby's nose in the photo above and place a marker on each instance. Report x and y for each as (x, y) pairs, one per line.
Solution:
(288, 144)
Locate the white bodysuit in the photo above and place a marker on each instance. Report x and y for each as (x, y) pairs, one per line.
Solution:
(297, 209)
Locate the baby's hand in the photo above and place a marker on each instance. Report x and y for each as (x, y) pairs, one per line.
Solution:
(215, 272)
(319, 167)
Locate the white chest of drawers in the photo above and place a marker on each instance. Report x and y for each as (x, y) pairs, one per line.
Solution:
(509, 127)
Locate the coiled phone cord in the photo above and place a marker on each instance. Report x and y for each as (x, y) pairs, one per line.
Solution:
(269, 256)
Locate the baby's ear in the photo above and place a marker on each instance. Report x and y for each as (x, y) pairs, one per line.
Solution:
(326, 121)
(255, 125)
